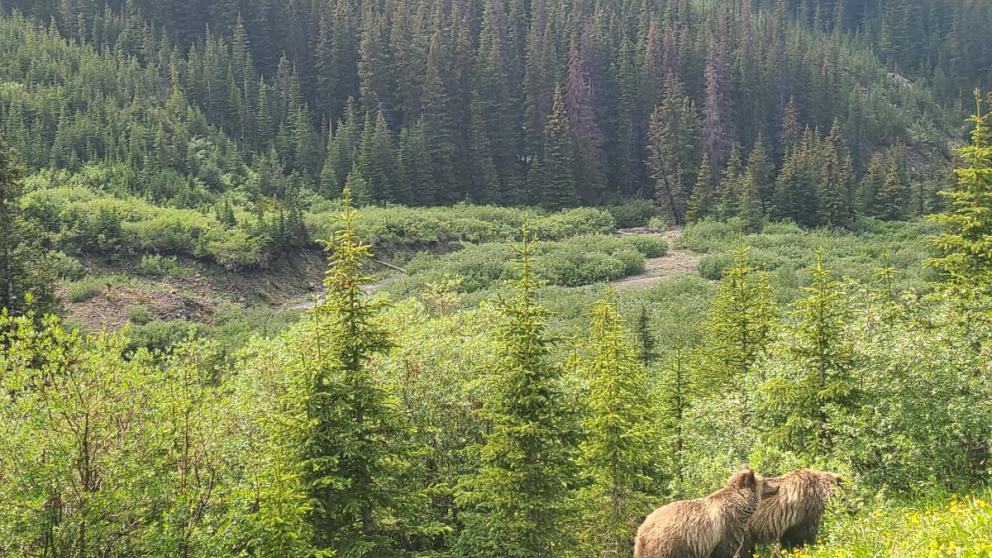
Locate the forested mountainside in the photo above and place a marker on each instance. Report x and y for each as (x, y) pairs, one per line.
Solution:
(263, 105)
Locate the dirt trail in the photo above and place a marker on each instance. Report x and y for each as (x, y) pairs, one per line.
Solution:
(674, 264)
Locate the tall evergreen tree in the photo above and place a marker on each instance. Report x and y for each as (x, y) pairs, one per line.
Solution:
(966, 241)
(824, 361)
(891, 199)
(621, 447)
(718, 135)
(375, 159)
(558, 165)
(738, 328)
(673, 151)
(437, 127)
(520, 502)
(415, 183)
(356, 448)
(835, 180)
(762, 171)
(702, 200)
(580, 102)
(795, 187)
(20, 271)
(871, 185)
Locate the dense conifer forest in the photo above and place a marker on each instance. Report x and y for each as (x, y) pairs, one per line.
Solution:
(489, 278)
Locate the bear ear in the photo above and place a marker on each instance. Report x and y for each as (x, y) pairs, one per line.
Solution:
(746, 480)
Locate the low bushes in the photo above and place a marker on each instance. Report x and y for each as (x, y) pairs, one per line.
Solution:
(581, 260)
(397, 226)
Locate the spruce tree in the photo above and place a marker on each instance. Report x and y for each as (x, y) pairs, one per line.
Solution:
(871, 185)
(891, 200)
(701, 202)
(835, 178)
(731, 185)
(673, 151)
(762, 171)
(375, 159)
(520, 502)
(22, 271)
(795, 188)
(621, 446)
(356, 448)
(718, 135)
(415, 183)
(791, 131)
(749, 206)
(558, 166)
(580, 102)
(738, 328)
(824, 361)
(966, 241)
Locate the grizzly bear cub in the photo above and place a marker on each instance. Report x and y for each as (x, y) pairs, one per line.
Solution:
(696, 528)
(792, 516)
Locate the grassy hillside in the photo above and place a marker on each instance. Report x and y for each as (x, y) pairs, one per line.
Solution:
(941, 527)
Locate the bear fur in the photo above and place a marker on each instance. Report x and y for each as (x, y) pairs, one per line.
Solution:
(695, 528)
(793, 515)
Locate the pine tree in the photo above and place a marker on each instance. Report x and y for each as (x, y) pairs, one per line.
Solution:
(356, 450)
(966, 242)
(791, 132)
(415, 184)
(762, 171)
(891, 199)
(731, 185)
(520, 503)
(871, 185)
(738, 328)
(621, 446)
(22, 280)
(834, 196)
(580, 102)
(485, 181)
(437, 127)
(375, 159)
(342, 147)
(795, 187)
(718, 136)
(558, 166)
(702, 200)
(749, 206)
(673, 151)
(824, 362)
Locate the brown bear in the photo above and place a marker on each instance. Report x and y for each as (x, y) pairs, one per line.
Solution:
(695, 528)
(793, 515)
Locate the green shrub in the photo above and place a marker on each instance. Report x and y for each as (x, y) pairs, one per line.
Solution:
(652, 246)
(160, 335)
(138, 314)
(234, 249)
(84, 289)
(636, 213)
(660, 223)
(573, 267)
(66, 267)
(573, 222)
(711, 266)
(160, 266)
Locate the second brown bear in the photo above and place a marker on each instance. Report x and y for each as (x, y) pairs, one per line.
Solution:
(792, 516)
